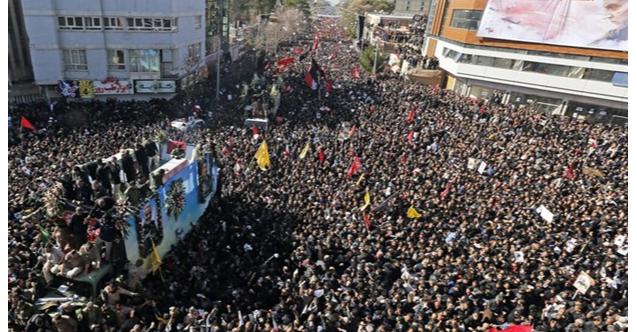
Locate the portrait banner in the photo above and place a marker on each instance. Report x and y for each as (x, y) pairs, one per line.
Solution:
(601, 24)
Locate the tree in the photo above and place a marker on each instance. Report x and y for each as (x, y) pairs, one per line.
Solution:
(350, 9)
(286, 24)
(367, 59)
(302, 5)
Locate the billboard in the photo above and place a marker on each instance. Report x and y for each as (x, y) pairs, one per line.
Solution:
(601, 24)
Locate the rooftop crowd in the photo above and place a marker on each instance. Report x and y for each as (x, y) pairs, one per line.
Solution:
(295, 248)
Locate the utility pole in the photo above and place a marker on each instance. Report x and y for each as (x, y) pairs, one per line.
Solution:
(223, 30)
(219, 52)
(375, 59)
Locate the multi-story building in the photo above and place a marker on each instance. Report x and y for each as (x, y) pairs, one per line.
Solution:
(21, 88)
(573, 61)
(113, 47)
(413, 7)
(19, 60)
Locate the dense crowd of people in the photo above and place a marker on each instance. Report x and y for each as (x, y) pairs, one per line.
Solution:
(508, 208)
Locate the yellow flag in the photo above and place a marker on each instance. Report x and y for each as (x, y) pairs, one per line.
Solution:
(367, 201)
(305, 150)
(412, 213)
(263, 157)
(155, 259)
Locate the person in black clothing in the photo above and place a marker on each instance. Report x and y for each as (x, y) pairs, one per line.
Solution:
(104, 204)
(128, 165)
(84, 192)
(153, 153)
(104, 175)
(108, 233)
(116, 181)
(91, 169)
(80, 174)
(78, 227)
(67, 185)
(142, 159)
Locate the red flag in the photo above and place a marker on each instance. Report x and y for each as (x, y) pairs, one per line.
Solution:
(255, 131)
(285, 62)
(445, 192)
(308, 80)
(26, 124)
(569, 173)
(514, 328)
(410, 137)
(175, 144)
(356, 72)
(368, 223)
(316, 41)
(356, 165)
(410, 116)
(321, 155)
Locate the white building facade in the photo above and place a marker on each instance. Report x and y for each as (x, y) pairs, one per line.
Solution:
(113, 47)
(578, 86)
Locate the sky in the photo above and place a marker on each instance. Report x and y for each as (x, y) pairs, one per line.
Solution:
(333, 2)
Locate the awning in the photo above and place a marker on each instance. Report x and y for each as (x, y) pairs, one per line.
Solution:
(620, 79)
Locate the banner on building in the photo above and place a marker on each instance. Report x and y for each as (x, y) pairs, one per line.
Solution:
(69, 89)
(590, 24)
(155, 86)
(112, 86)
(87, 90)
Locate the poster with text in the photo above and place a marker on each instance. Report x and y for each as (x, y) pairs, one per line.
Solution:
(601, 24)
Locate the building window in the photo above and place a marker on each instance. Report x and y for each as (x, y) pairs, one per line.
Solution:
(166, 62)
(451, 54)
(545, 68)
(466, 19)
(194, 52)
(483, 60)
(75, 60)
(465, 58)
(198, 22)
(143, 61)
(113, 23)
(116, 60)
(503, 63)
(70, 23)
(598, 75)
(93, 23)
(151, 24)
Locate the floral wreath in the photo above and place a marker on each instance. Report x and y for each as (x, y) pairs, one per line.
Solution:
(175, 198)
